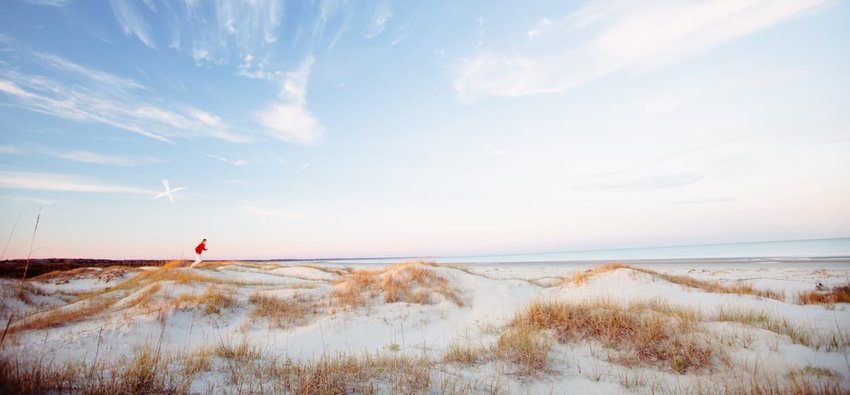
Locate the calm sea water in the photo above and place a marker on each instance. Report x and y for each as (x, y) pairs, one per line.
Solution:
(792, 249)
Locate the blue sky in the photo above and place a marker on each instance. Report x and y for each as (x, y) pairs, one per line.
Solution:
(342, 128)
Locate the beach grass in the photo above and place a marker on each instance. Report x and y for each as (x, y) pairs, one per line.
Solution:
(837, 294)
(641, 334)
(413, 282)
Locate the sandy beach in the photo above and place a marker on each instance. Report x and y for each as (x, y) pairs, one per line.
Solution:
(684, 326)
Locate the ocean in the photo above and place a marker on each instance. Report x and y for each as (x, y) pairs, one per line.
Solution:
(789, 250)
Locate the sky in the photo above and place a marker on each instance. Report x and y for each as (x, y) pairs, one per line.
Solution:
(329, 128)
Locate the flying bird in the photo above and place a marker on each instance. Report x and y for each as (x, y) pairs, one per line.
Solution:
(168, 191)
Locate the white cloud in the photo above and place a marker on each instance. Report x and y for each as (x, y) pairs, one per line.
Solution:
(224, 31)
(660, 104)
(43, 202)
(481, 23)
(288, 119)
(9, 149)
(603, 37)
(93, 158)
(131, 22)
(50, 3)
(383, 14)
(258, 211)
(237, 162)
(540, 28)
(233, 182)
(65, 65)
(649, 183)
(61, 182)
(254, 210)
(100, 97)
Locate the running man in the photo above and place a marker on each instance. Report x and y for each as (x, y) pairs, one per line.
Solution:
(198, 250)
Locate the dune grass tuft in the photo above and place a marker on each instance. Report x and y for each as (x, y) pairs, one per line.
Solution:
(143, 372)
(838, 294)
(242, 352)
(716, 287)
(782, 326)
(580, 278)
(282, 312)
(168, 272)
(641, 334)
(524, 345)
(214, 300)
(407, 282)
(78, 311)
(463, 352)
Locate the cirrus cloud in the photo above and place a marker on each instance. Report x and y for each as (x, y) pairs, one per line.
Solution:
(603, 37)
(61, 182)
(289, 119)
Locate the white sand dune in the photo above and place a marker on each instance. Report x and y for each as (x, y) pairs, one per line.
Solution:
(184, 310)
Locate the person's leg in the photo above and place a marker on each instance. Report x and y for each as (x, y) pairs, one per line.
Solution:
(197, 260)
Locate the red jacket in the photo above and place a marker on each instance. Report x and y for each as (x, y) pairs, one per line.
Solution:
(200, 247)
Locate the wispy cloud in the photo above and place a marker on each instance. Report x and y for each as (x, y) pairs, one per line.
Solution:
(65, 65)
(481, 23)
(649, 183)
(383, 14)
(301, 170)
(660, 104)
(99, 159)
(289, 119)
(61, 182)
(233, 182)
(131, 22)
(43, 202)
(541, 27)
(9, 150)
(604, 37)
(704, 201)
(50, 3)
(254, 210)
(99, 97)
(237, 162)
(218, 32)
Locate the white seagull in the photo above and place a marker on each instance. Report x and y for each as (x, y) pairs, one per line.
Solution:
(168, 191)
